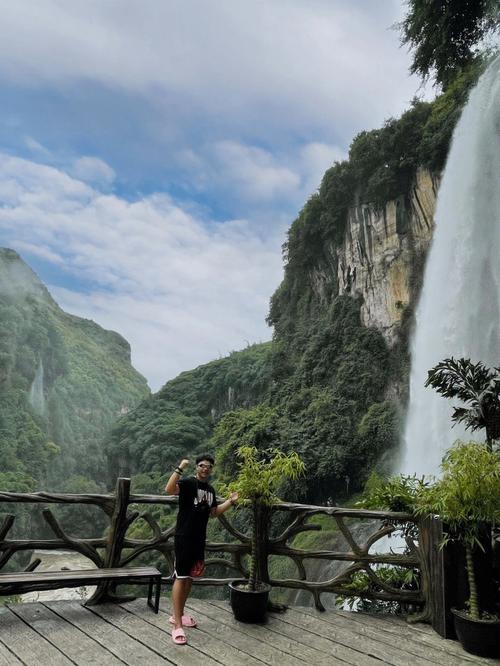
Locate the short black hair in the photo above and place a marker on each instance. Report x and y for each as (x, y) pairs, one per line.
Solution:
(205, 456)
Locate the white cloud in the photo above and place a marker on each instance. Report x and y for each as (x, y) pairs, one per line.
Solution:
(180, 290)
(257, 178)
(37, 148)
(282, 64)
(93, 170)
(254, 172)
(41, 251)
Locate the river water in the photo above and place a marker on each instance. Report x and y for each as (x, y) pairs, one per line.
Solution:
(59, 560)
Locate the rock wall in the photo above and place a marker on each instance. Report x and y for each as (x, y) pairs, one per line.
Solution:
(381, 257)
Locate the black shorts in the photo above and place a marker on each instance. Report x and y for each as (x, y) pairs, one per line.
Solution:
(189, 557)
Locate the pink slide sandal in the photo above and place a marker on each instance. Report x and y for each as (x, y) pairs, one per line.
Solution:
(187, 621)
(179, 637)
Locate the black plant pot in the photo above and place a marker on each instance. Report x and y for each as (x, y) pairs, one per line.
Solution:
(480, 637)
(249, 605)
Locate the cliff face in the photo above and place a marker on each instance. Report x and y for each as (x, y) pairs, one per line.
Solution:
(381, 256)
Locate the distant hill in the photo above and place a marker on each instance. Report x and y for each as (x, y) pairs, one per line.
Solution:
(178, 420)
(63, 382)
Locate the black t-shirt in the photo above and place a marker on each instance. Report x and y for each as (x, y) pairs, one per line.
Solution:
(196, 499)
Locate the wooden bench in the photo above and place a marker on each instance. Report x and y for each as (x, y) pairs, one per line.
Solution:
(18, 583)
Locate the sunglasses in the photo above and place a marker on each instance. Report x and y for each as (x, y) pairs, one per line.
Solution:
(203, 466)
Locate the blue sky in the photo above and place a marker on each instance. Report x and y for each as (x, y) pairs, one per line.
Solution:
(153, 154)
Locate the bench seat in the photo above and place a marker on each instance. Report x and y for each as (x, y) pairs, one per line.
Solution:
(32, 581)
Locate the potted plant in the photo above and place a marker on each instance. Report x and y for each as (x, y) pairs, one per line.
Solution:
(467, 498)
(260, 475)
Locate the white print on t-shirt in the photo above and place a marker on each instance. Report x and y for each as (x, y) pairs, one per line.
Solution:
(204, 497)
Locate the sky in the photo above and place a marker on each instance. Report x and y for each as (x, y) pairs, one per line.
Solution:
(153, 154)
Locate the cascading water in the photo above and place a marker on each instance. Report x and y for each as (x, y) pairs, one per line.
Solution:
(459, 310)
(36, 394)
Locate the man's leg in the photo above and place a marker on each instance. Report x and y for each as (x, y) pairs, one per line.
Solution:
(180, 593)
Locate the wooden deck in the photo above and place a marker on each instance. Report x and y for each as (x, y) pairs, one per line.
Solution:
(58, 633)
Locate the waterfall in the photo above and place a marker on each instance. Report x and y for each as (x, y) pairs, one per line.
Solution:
(36, 395)
(459, 309)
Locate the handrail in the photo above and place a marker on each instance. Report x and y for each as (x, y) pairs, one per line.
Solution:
(117, 549)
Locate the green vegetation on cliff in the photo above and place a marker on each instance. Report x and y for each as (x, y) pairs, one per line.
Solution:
(179, 419)
(63, 382)
(326, 401)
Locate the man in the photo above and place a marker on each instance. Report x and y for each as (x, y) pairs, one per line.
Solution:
(197, 502)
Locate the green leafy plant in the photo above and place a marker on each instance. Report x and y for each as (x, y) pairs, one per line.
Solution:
(397, 493)
(446, 36)
(466, 498)
(361, 583)
(260, 475)
(475, 385)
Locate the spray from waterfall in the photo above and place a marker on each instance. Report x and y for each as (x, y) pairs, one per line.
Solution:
(459, 309)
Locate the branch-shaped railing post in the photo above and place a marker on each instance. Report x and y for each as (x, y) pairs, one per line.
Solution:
(116, 537)
(119, 524)
(77, 545)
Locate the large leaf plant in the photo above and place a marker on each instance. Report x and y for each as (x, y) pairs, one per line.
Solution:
(477, 386)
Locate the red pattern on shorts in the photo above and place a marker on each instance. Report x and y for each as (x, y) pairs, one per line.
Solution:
(198, 569)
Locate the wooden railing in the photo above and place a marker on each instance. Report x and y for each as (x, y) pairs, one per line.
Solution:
(118, 549)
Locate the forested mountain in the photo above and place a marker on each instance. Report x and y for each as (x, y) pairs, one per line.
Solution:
(332, 384)
(178, 420)
(63, 381)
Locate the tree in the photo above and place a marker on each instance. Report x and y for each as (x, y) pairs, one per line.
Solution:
(378, 433)
(475, 385)
(444, 34)
(257, 427)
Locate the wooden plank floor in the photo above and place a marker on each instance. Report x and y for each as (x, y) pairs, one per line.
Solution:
(64, 632)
